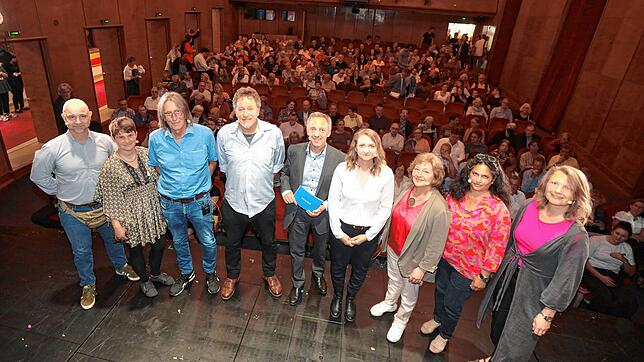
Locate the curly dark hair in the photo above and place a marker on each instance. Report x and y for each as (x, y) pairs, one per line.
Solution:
(499, 188)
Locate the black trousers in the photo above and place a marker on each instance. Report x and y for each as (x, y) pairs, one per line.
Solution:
(358, 257)
(4, 103)
(501, 315)
(156, 255)
(619, 301)
(18, 98)
(235, 225)
(298, 232)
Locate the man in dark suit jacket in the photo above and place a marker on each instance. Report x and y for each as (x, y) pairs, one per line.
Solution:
(523, 140)
(310, 166)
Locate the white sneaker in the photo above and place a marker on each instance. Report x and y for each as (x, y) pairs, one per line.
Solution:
(429, 327)
(381, 308)
(438, 344)
(395, 331)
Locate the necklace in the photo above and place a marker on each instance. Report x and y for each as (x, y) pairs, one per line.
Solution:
(126, 160)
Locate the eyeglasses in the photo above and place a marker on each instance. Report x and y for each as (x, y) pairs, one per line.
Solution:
(76, 117)
(174, 114)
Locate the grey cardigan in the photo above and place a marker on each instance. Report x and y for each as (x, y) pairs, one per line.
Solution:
(426, 240)
(549, 277)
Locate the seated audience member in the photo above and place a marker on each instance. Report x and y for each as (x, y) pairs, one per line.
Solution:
(393, 140)
(285, 113)
(327, 83)
(532, 176)
(417, 143)
(333, 113)
(564, 158)
(595, 223)
(198, 115)
(123, 110)
(634, 216)
(400, 180)
(526, 159)
(506, 157)
(517, 197)
(556, 144)
(378, 122)
(353, 120)
(608, 255)
(341, 136)
(318, 95)
(152, 126)
(152, 100)
(201, 90)
(291, 126)
(364, 125)
(429, 129)
(178, 85)
(304, 113)
(477, 109)
(142, 117)
(459, 96)
(524, 112)
(475, 124)
(502, 111)
(293, 138)
(448, 164)
(446, 129)
(494, 99)
(266, 110)
(404, 123)
(475, 146)
(458, 148)
(443, 95)
(523, 140)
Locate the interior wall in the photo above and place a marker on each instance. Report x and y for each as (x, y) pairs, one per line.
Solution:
(533, 38)
(604, 112)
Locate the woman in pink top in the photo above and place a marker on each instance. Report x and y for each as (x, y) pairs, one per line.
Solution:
(476, 240)
(542, 266)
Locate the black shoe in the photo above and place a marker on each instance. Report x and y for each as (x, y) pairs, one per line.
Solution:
(350, 311)
(212, 282)
(181, 284)
(336, 307)
(295, 297)
(320, 284)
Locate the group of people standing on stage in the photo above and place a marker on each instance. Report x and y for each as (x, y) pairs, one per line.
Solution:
(530, 269)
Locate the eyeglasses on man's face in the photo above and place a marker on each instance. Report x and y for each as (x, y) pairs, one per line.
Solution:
(173, 115)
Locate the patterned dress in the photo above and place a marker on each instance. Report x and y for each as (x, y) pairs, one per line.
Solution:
(130, 195)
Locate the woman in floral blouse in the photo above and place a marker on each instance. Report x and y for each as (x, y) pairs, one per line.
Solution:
(476, 241)
(127, 189)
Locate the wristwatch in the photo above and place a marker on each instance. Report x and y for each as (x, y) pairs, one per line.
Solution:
(546, 318)
(484, 278)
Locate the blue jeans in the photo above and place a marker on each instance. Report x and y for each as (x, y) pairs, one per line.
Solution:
(80, 236)
(177, 215)
(452, 290)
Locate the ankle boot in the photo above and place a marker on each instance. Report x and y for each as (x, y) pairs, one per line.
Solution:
(336, 307)
(350, 310)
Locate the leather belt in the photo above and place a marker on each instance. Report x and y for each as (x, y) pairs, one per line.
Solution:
(186, 200)
(90, 204)
(355, 227)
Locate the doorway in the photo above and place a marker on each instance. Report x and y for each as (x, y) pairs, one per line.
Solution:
(192, 20)
(461, 29)
(157, 31)
(29, 124)
(107, 54)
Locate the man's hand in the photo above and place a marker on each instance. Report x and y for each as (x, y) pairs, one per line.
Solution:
(288, 197)
(416, 275)
(539, 325)
(359, 239)
(346, 241)
(608, 281)
(316, 212)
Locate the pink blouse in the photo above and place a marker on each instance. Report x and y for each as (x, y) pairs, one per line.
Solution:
(532, 233)
(477, 239)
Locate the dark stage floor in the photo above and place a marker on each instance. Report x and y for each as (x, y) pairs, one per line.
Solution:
(41, 319)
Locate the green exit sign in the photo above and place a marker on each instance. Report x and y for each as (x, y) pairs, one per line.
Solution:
(13, 34)
(105, 21)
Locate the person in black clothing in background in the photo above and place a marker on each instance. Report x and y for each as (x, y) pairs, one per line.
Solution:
(17, 86)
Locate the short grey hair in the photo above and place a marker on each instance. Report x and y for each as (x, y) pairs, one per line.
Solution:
(328, 119)
(247, 92)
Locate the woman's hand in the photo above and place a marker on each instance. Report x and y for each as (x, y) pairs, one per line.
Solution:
(359, 239)
(120, 233)
(477, 284)
(416, 275)
(608, 281)
(539, 325)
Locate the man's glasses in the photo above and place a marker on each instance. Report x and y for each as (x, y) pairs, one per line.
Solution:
(174, 114)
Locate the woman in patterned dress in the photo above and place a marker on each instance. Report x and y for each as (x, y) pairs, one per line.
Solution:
(127, 189)
(476, 241)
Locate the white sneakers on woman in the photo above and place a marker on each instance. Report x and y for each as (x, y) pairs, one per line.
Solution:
(381, 308)
(395, 331)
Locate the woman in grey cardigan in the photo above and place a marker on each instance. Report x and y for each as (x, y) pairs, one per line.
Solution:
(543, 264)
(414, 238)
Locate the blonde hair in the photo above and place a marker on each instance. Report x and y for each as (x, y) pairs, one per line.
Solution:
(352, 155)
(247, 92)
(581, 207)
(178, 101)
(438, 171)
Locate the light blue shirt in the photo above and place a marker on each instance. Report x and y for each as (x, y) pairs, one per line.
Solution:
(183, 166)
(312, 169)
(531, 182)
(250, 167)
(69, 170)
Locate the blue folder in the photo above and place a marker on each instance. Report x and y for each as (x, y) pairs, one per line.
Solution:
(306, 200)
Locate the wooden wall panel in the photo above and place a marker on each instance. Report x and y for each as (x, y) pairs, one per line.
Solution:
(107, 40)
(132, 13)
(158, 47)
(27, 21)
(94, 11)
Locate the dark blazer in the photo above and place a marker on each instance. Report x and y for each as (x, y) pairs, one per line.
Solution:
(521, 141)
(292, 174)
